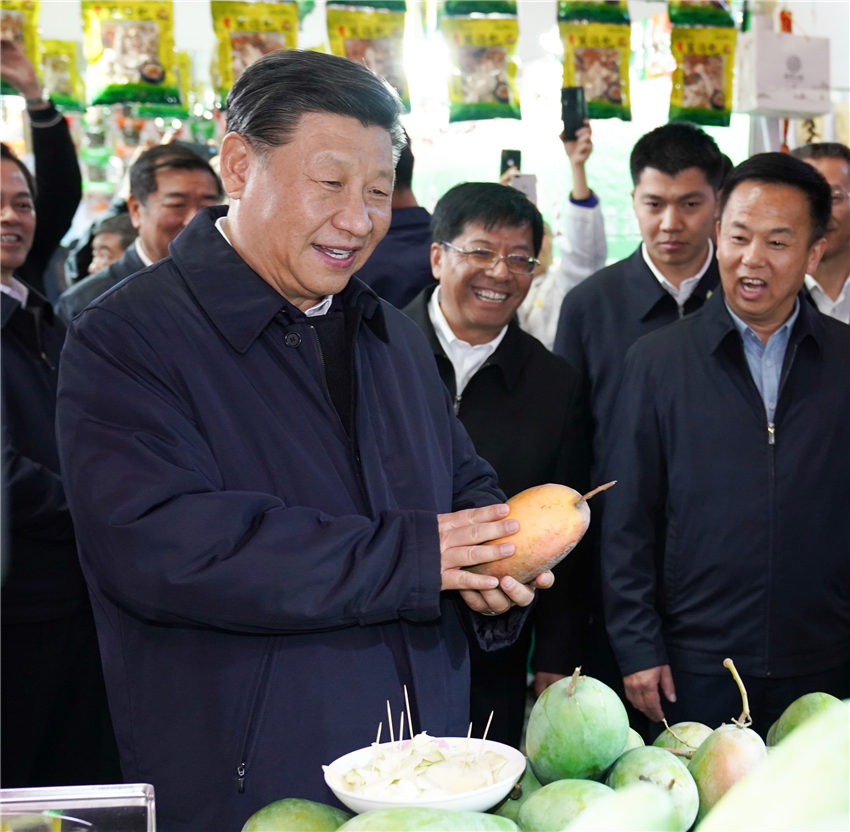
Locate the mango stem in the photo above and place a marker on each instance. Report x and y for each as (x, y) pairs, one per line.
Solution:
(574, 681)
(744, 720)
(585, 497)
(678, 738)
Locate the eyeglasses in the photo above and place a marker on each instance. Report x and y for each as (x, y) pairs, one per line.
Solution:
(838, 195)
(485, 259)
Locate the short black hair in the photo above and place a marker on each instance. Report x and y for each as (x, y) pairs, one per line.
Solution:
(487, 203)
(173, 156)
(119, 224)
(784, 169)
(674, 147)
(404, 166)
(6, 152)
(268, 100)
(823, 150)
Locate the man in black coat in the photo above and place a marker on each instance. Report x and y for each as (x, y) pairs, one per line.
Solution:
(522, 406)
(169, 184)
(56, 728)
(727, 534)
(676, 171)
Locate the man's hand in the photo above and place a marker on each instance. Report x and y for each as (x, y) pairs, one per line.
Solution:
(464, 537)
(543, 680)
(642, 690)
(17, 70)
(580, 149)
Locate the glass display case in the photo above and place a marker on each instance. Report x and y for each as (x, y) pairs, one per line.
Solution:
(119, 807)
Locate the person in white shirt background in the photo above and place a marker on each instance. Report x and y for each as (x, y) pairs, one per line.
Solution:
(829, 286)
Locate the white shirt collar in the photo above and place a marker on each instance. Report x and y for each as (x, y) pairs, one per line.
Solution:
(321, 308)
(467, 359)
(19, 291)
(838, 308)
(142, 253)
(685, 289)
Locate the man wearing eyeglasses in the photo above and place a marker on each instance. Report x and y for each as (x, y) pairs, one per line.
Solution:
(521, 404)
(829, 286)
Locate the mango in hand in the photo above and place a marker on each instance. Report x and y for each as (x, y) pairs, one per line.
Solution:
(552, 520)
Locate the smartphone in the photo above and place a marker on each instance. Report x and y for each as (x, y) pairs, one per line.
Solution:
(510, 159)
(573, 111)
(527, 183)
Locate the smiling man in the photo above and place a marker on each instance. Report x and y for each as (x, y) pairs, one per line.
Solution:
(169, 184)
(522, 405)
(274, 498)
(727, 532)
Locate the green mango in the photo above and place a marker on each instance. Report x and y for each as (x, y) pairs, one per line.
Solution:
(658, 766)
(638, 807)
(576, 729)
(554, 805)
(803, 784)
(683, 736)
(413, 819)
(294, 814)
(799, 711)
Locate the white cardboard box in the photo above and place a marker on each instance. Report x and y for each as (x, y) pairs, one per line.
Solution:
(781, 75)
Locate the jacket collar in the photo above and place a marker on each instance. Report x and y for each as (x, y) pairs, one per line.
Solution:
(36, 303)
(647, 293)
(235, 298)
(508, 357)
(720, 328)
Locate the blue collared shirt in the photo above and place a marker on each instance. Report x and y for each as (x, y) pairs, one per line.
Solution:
(765, 360)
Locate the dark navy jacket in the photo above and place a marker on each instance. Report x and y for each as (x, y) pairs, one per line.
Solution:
(400, 266)
(262, 583)
(604, 315)
(77, 297)
(42, 578)
(724, 537)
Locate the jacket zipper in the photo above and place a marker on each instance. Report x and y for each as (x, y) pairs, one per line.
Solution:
(254, 715)
(352, 445)
(771, 442)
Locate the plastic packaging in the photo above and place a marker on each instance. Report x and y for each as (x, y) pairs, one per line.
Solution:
(19, 24)
(246, 31)
(129, 46)
(371, 34)
(482, 48)
(702, 79)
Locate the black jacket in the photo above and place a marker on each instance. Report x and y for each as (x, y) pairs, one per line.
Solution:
(77, 297)
(723, 537)
(526, 415)
(603, 316)
(60, 188)
(42, 574)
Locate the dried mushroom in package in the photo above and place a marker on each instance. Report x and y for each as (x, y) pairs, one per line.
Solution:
(60, 74)
(371, 33)
(596, 37)
(482, 49)
(129, 46)
(19, 24)
(246, 31)
(702, 79)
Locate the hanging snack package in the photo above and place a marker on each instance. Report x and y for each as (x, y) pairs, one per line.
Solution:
(246, 31)
(482, 53)
(597, 44)
(372, 34)
(700, 13)
(702, 79)
(129, 46)
(60, 74)
(19, 24)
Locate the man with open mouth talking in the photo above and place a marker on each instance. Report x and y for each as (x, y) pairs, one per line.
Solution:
(728, 532)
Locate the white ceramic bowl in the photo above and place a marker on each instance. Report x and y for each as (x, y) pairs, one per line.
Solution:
(478, 800)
